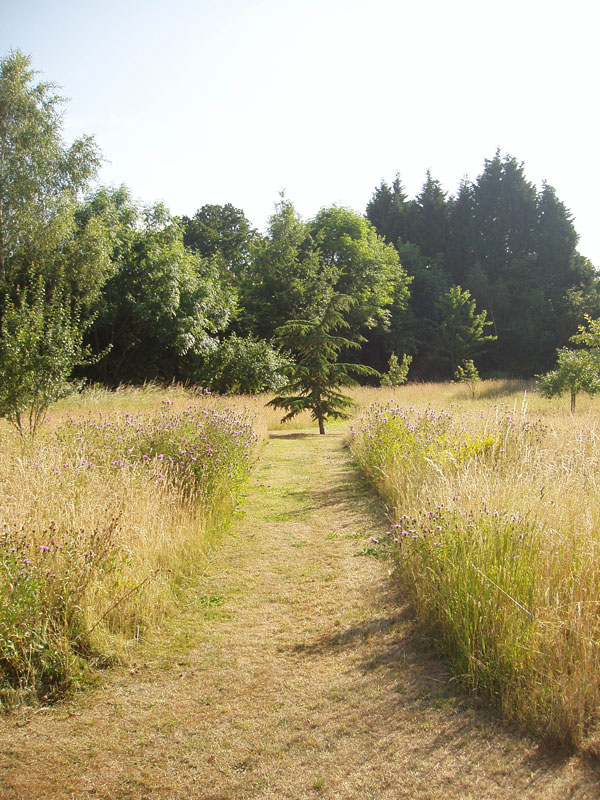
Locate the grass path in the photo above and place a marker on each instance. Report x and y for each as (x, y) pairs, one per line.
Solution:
(295, 673)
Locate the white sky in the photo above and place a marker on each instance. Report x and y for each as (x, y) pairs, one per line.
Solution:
(217, 101)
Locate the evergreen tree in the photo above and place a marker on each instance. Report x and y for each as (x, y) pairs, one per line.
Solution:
(505, 257)
(459, 251)
(460, 331)
(428, 220)
(315, 379)
(387, 211)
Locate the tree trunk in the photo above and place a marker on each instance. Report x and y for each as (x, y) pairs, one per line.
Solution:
(573, 395)
(321, 426)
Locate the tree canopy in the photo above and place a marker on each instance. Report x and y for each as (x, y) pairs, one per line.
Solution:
(491, 270)
(41, 179)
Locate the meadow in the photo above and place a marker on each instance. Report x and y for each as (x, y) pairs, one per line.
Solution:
(109, 515)
(107, 518)
(495, 505)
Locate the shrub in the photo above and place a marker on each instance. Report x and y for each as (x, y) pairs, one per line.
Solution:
(244, 366)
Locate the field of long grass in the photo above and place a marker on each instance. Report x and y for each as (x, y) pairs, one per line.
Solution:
(105, 517)
(496, 540)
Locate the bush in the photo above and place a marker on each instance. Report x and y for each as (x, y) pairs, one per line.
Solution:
(244, 366)
(40, 345)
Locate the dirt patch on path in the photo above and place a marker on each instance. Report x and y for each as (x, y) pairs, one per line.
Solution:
(296, 673)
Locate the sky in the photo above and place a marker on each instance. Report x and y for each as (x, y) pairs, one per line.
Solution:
(234, 101)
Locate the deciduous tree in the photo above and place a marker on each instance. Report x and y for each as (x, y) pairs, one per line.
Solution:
(41, 179)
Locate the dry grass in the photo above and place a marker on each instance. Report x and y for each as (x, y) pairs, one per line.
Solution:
(504, 497)
(296, 675)
(95, 538)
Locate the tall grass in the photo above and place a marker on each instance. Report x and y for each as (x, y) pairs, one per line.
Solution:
(497, 543)
(105, 518)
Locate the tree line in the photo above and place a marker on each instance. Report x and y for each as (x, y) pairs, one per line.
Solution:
(132, 293)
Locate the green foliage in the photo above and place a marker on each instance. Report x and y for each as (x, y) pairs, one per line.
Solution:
(467, 373)
(222, 232)
(244, 366)
(164, 305)
(44, 579)
(512, 246)
(387, 211)
(460, 330)
(40, 345)
(40, 180)
(576, 370)
(588, 334)
(397, 373)
(314, 380)
(357, 262)
(428, 219)
(284, 278)
(297, 265)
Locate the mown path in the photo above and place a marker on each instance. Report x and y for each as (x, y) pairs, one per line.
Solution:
(295, 673)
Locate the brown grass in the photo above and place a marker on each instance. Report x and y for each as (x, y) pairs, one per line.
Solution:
(294, 672)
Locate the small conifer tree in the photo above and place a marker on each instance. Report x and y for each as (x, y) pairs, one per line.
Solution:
(314, 380)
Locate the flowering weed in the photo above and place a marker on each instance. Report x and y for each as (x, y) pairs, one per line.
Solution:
(105, 520)
(496, 544)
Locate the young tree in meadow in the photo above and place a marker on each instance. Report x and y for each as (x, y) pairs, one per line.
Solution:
(576, 370)
(41, 342)
(468, 374)
(397, 371)
(314, 381)
(460, 331)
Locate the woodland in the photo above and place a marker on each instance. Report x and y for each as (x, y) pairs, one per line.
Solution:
(491, 272)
